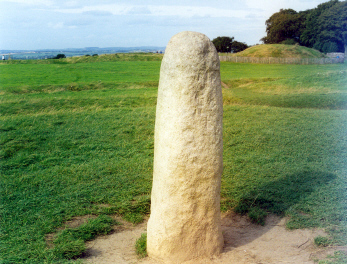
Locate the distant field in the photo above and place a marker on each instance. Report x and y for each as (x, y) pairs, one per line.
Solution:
(60, 75)
(77, 139)
(50, 53)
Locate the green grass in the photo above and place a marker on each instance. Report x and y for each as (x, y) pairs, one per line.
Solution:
(141, 246)
(87, 59)
(77, 139)
(322, 241)
(339, 257)
(37, 77)
(69, 243)
(299, 86)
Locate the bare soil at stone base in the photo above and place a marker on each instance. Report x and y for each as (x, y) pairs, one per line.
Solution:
(244, 243)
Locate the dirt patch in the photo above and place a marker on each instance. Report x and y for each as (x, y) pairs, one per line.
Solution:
(245, 243)
(224, 85)
(73, 223)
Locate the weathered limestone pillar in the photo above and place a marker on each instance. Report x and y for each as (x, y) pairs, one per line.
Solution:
(188, 146)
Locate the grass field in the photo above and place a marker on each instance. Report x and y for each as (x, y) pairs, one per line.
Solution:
(77, 139)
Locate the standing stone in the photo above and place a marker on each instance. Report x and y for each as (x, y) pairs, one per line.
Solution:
(185, 219)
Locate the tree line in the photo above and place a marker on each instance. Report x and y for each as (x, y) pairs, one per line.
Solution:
(323, 28)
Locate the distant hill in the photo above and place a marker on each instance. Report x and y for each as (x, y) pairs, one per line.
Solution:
(130, 56)
(72, 52)
(137, 56)
(280, 51)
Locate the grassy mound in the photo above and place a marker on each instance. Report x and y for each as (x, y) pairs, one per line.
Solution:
(280, 51)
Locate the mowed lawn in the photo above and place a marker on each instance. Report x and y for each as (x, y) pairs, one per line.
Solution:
(77, 139)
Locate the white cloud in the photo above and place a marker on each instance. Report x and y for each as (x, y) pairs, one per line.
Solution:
(71, 3)
(58, 25)
(139, 10)
(267, 8)
(191, 11)
(114, 9)
(98, 13)
(69, 23)
(32, 2)
(160, 10)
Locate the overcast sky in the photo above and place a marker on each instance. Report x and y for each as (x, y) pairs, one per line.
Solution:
(39, 24)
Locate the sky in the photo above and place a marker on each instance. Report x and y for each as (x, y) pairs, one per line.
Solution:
(59, 24)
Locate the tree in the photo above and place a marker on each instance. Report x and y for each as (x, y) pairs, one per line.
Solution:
(60, 56)
(323, 28)
(223, 44)
(238, 46)
(326, 27)
(284, 25)
(227, 44)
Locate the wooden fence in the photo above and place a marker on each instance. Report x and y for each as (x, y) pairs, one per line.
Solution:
(272, 60)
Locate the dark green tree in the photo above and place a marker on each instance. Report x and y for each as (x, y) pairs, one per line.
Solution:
(237, 46)
(326, 27)
(323, 28)
(223, 44)
(60, 56)
(227, 44)
(284, 25)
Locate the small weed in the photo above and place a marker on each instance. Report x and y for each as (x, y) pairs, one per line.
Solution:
(322, 241)
(141, 246)
(257, 215)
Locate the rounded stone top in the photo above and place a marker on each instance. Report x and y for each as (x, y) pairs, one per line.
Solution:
(190, 43)
(190, 48)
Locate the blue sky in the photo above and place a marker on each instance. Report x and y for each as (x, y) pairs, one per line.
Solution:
(54, 24)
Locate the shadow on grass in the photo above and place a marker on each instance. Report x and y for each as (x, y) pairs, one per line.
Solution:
(279, 195)
(332, 101)
(327, 101)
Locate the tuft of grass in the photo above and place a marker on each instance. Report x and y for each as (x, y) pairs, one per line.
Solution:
(69, 243)
(141, 246)
(322, 241)
(257, 215)
(69, 249)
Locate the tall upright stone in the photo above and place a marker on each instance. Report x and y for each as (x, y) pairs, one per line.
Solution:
(185, 219)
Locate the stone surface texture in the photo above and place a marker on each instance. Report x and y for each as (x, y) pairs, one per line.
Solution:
(185, 216)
